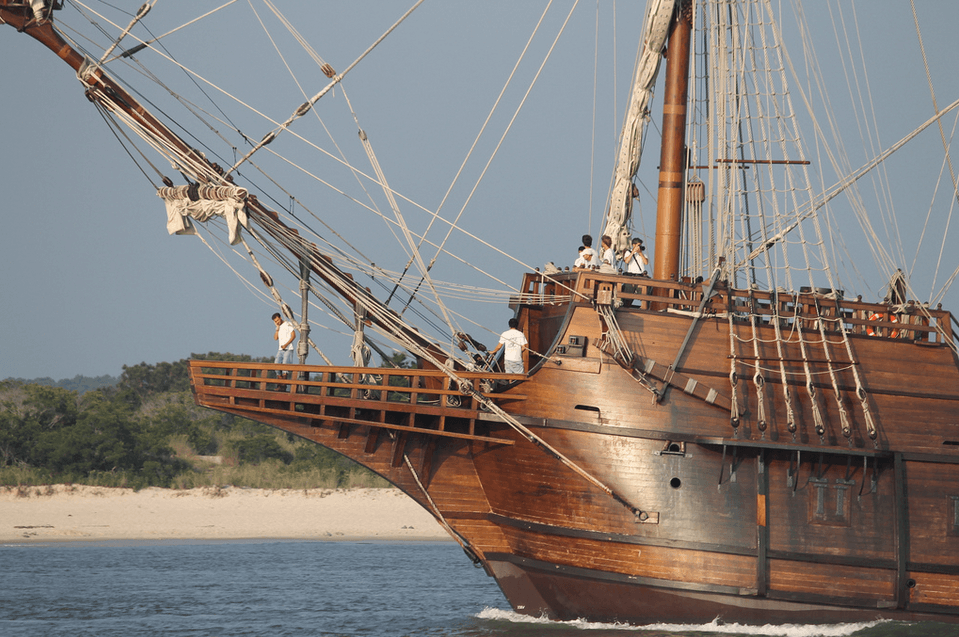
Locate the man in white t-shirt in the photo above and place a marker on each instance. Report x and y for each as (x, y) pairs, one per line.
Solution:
(636, 261)
(588, 258)
(609, 255)
(515, 342)
(285, 334)
(636, 258)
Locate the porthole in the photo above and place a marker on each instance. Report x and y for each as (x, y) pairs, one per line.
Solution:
(671, 448)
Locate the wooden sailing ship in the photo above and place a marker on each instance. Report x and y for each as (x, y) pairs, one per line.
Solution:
(680, 449)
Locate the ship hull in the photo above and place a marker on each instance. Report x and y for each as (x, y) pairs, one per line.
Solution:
(567, 594)
(589, 490)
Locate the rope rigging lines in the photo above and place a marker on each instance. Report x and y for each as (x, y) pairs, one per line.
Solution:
(771, 235)
(196, 168)
(305, 107)
(809, 355)
(758, 168)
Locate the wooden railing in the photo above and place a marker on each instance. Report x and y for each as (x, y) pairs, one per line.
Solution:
(422, 401)
(803, 309)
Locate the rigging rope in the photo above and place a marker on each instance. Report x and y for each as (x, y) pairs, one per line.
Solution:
(145, 43)
(759, 380)
(479, 135)
(144, 9)
(837, 392)
(406, 231)
(499, 144)
(305, 107)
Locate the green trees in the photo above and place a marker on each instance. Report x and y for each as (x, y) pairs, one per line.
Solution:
(147, 431)
(146, 380)
(69, 438)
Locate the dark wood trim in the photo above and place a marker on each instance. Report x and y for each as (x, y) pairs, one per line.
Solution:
(836, 560)
(791, 448)
(941, 569)
(934, 608)
(762, 525)
(312, 418)
(649, 434)
(467, 515)
(829, 600)
(929, 457)
(901, 531)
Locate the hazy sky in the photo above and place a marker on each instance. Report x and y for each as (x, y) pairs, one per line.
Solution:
(92, 281)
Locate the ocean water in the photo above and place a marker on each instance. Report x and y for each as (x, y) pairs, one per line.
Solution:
(380, 589)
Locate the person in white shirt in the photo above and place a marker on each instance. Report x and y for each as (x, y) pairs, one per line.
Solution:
(590, 259)
(636, 259)
(285, 334)
(609, 256)
(515, 342)
(580, 263)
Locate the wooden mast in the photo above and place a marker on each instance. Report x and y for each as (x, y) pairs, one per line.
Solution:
(672, 164)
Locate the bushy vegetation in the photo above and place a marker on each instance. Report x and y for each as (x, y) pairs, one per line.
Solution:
(146, 431)
(81, 384)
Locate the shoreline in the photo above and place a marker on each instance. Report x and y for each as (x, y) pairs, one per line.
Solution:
(69, 513)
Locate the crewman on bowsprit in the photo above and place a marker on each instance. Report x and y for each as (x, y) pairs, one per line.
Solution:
(285, 334)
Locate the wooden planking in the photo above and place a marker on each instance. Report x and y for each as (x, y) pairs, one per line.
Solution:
(831, 580)
(933, 493)
(529, 485)
(894, 366)
(454, 490)
(656, 562)
(934, 588)
(861, 531)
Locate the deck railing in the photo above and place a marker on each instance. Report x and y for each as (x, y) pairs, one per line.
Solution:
(911, 321)
(424, 401)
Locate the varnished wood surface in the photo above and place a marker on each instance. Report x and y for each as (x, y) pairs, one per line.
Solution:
(735, 512)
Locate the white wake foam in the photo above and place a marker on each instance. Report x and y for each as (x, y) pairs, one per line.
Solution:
(715, 626)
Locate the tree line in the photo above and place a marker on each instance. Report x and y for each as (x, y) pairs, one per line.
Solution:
(145, 430)
(80, 383)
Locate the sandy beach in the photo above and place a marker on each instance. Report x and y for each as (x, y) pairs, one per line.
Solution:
(70, 512)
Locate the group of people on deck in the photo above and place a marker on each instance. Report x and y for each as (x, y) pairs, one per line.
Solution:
(635, 258)
(512, 340)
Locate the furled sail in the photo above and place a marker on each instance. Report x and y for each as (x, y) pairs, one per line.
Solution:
(659, 15)
(202, 203)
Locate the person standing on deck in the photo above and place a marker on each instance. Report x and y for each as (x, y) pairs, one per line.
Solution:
(285, 334)
(636, 259)
(515, 342)
(609, 255)
(580, 263)
(588, 254)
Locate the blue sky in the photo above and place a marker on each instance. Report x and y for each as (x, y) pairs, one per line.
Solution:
(92, 281)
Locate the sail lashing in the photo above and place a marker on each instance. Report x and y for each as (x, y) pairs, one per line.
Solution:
(202, 203)
(655, 32)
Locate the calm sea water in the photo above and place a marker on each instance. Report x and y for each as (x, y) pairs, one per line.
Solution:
(295, 588)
